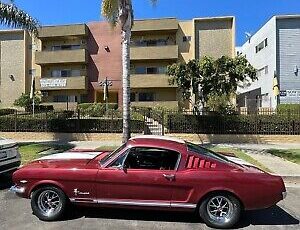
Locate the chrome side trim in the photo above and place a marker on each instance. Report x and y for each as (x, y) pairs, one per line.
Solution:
(183, 205)
(135, 203)
(87, 201)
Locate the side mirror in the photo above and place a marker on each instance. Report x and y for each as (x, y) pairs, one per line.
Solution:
(120, 167)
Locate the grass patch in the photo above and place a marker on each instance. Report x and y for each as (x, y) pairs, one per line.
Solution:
(240, 154)
(107, 148)
(292, 155)
(30, 151)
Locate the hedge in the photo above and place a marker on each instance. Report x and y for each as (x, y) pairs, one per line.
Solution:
(233, 124)
(95, 109)
(70, 125)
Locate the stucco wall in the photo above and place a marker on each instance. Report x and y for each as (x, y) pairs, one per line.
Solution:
(197, 138)
(214, 37)
(12, 67)
(104, 63)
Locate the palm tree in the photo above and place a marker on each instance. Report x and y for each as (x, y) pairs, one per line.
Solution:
(121, 11)
(12, 16)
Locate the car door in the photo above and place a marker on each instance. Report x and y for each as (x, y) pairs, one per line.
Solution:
(141, 176)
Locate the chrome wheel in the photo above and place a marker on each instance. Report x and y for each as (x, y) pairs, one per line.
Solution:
(220, 209)
(49, 203)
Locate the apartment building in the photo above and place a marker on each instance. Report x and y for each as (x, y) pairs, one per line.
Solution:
(71, 63)
(274, 50)
(157, 43)
(15, 65)
(62, 59)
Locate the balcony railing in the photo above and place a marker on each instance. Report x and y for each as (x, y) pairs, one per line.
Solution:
(49, 32)
(61, 56)
(150, 81)
(167, 24)
(154, 53)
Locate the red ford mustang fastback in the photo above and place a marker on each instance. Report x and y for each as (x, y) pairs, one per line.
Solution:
(149, 172)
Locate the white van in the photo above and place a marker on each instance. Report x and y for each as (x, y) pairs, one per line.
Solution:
(10, 158)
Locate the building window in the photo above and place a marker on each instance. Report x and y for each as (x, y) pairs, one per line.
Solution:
(154, 42)
(261, 45)
(262, 71)
(266, 70)
(64, 98)
(132, 97)
(146, 96)
(187, 38)
(151, 70)
(65, 47)
(140, 70)
(65, 73)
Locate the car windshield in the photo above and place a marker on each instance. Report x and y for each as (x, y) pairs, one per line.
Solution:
(112, 154)
(205, 152)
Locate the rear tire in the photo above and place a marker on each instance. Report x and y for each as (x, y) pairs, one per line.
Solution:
(220, 210)
(49, 203)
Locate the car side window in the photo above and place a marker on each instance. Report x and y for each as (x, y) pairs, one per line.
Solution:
(151, 159)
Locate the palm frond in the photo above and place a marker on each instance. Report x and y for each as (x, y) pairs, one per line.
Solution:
(12, 16)
(110, 10)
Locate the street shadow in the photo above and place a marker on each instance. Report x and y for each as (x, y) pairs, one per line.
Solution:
(272, 216)
(5, 181)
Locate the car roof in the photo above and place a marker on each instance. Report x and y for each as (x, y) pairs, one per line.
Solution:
(157, 142)
(156, 137)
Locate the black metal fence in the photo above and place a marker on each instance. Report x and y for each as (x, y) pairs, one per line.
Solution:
(149, 121)
(65, 121)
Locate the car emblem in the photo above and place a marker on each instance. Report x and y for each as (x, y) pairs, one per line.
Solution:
(77, 192)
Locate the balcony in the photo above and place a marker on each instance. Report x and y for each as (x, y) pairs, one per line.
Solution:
(154, 53)
(50, 32)
(152, 25)
(61, 57)
(67, 83)
(150, 81)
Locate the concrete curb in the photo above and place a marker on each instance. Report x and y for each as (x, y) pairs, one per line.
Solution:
(291, 179)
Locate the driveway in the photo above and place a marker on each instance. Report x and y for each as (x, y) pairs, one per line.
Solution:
(15, 214)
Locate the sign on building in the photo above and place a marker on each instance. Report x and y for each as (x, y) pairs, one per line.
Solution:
(53, 83)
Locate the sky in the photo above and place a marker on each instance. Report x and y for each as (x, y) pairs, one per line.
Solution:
(250, 14)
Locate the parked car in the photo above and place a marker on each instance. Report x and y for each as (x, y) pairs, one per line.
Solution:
(10, 158)
(149, 172)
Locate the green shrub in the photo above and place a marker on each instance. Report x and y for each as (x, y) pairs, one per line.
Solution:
(288, 109)
(95, 109)
(25, 101)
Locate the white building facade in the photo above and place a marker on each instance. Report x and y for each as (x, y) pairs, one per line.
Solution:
(274, 51)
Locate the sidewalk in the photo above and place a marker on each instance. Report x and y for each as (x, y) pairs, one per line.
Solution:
(288, 170)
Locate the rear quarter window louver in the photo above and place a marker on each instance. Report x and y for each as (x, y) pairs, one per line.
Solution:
(196, 162)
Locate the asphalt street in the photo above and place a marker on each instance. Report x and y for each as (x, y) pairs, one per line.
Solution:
(15, 213)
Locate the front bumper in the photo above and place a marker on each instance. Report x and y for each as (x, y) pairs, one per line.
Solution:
(19, 190)
(284, 195)
(9, 166)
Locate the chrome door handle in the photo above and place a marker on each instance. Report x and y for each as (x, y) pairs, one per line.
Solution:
(169, 176)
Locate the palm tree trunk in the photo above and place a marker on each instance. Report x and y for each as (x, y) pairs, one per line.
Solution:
(126, 35)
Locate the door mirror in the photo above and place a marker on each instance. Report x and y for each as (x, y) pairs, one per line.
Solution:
(120, 167)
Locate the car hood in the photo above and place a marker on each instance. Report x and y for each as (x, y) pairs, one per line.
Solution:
(66, 160)
(6, 143)
(71, 156)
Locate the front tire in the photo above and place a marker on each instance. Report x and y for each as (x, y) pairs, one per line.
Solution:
(49, 203)
(220, 211)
